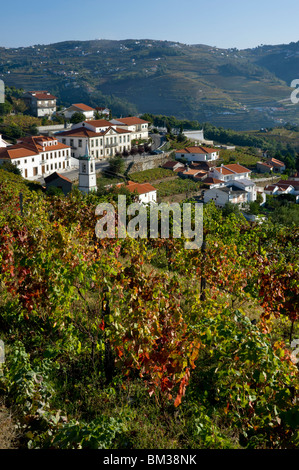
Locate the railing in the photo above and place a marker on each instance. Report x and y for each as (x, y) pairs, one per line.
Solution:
(114, 144)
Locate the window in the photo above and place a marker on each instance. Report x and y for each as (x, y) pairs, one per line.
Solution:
(32, 159)
(25, 161)
(80, 143)
(63, 141)
(43, 158)
(63, 153)
(59, 154)
(52, 166)
(101, 142)
(120, 140)
(83, 167)
(51, 155)
(91, 143)
(55, 166)
(91, 167)
(71, 142)
(97, 142)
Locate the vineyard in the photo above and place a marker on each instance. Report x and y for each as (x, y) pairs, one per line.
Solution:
(139, 343)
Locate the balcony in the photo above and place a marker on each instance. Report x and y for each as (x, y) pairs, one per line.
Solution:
(114, 144)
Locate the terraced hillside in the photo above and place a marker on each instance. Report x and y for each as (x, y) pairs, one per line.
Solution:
(238, 89)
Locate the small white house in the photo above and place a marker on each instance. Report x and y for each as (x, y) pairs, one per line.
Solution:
(78, 108)
(198, 154)
(223, 195)
(146, 192)
(246, 185)
(230, 172)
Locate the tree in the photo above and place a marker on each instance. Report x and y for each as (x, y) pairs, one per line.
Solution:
(9, 166)
(116, 165)
(77, 117)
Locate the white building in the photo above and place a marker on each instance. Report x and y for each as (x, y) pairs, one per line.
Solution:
(138, 127)
(78, 108)
(198, 154)
(230, 172)
(223, 195)
(246, 185)
(145, 192)
(103, 138)
(3, 143)
(37, 156)
(40, 103)
(87, 173)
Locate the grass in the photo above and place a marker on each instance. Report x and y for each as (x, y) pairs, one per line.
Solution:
(151, 175)
(178, 186)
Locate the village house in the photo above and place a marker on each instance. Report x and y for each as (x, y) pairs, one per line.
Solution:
(37, 155)
(40, 103)
(138, 127)
(172, 165)
(57, 180)
(198, 154)
(103, 139)
(224, 195)
(145, 192)
(246, 185)
(190, 173)
(103, 112)
(229, 172)
(78, 108)
(274, 165)
(212, 183)
(283, 187)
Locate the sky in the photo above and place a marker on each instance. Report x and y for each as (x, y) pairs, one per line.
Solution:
(221, 23)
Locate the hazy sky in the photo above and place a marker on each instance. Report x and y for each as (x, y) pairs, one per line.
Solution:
(231, 23)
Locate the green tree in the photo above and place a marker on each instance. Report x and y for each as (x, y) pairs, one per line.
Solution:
(77, 117)
(116, 165)
(9, 166)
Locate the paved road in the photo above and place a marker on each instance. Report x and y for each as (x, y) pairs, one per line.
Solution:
(158, 140)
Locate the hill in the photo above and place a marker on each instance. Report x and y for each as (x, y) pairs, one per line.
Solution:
(227, 87)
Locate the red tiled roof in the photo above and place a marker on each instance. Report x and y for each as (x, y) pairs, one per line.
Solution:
(171, 164)
(293, 183)
(30, 146)
(14, 152)
(83, 106)
(265, 164)
(275, 162)
(80, 132)
(192, 172)
(56, 175)
(99, 123)
(130, 121)
(232, 168)
(198, 149)
(139, 188)
(210, 181)
(42, 95)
